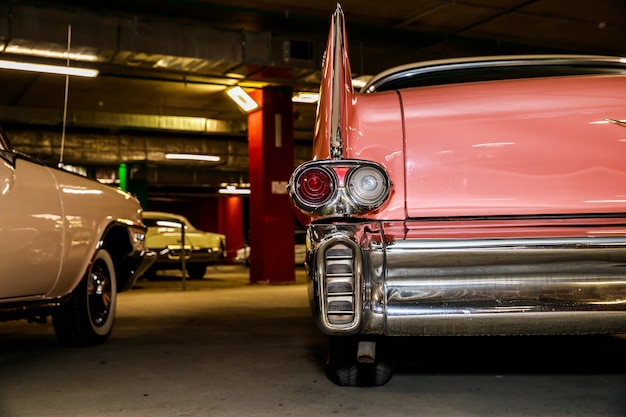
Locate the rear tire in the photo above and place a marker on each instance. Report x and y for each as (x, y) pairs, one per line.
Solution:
(196, 271)
(86, 319)
(344, 369)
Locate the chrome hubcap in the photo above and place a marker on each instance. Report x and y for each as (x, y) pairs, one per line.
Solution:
(99, 293)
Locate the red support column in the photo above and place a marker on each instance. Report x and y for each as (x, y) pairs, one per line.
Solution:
(271, 160)
(231, 223)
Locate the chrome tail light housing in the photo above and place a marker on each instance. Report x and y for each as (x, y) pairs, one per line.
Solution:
(339, 188)
(340, 286)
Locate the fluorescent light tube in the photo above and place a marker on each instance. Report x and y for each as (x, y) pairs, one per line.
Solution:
(50, 69)
(234, 190)
(242, 99)
(305, 98)
(192, 157)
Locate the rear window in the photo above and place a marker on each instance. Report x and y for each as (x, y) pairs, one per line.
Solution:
(433, 76)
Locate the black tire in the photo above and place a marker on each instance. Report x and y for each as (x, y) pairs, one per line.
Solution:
(344, 369)
(196, 271)
(86, 319)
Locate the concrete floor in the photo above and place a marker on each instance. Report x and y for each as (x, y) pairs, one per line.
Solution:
(224, 347)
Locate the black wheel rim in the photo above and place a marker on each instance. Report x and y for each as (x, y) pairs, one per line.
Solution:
(99, 293)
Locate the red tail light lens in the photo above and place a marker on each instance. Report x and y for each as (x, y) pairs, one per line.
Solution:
(315, 186)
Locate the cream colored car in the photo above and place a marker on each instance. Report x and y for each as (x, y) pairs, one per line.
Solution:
(68, 245)
(165, 237)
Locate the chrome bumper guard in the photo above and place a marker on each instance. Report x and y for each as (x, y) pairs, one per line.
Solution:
(360, 284)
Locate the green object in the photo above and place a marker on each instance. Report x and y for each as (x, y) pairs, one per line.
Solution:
(122, 176)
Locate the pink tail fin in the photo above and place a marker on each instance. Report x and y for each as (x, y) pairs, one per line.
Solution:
(336, 93)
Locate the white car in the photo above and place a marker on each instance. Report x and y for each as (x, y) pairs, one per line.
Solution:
(165, 237)
(68, 245)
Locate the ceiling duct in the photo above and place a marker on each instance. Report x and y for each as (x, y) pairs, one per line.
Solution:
(89, 148)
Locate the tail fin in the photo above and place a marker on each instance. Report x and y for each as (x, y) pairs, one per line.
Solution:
(336, 93)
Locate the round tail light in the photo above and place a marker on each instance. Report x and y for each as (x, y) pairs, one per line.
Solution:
(368, 186)
(315, 186)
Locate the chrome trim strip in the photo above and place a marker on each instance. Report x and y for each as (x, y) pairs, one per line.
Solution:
(621, 123)
(554, 243)
(511, 324)
(420, 68)
(338, 76)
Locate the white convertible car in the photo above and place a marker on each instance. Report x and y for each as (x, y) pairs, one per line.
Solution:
(68, 245)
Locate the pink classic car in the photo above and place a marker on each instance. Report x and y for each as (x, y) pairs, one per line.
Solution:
(481, 196)
(68, 245)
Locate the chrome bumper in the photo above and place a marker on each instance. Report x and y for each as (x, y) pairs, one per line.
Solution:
(361, 281)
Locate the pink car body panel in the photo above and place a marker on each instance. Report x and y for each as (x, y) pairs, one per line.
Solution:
(516, 147)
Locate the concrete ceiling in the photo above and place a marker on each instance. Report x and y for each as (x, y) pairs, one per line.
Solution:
(165, 65)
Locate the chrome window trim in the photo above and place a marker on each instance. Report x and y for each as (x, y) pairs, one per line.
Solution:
(421, 68)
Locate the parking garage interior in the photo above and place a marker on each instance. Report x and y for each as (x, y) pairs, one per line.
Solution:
(164, 71)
